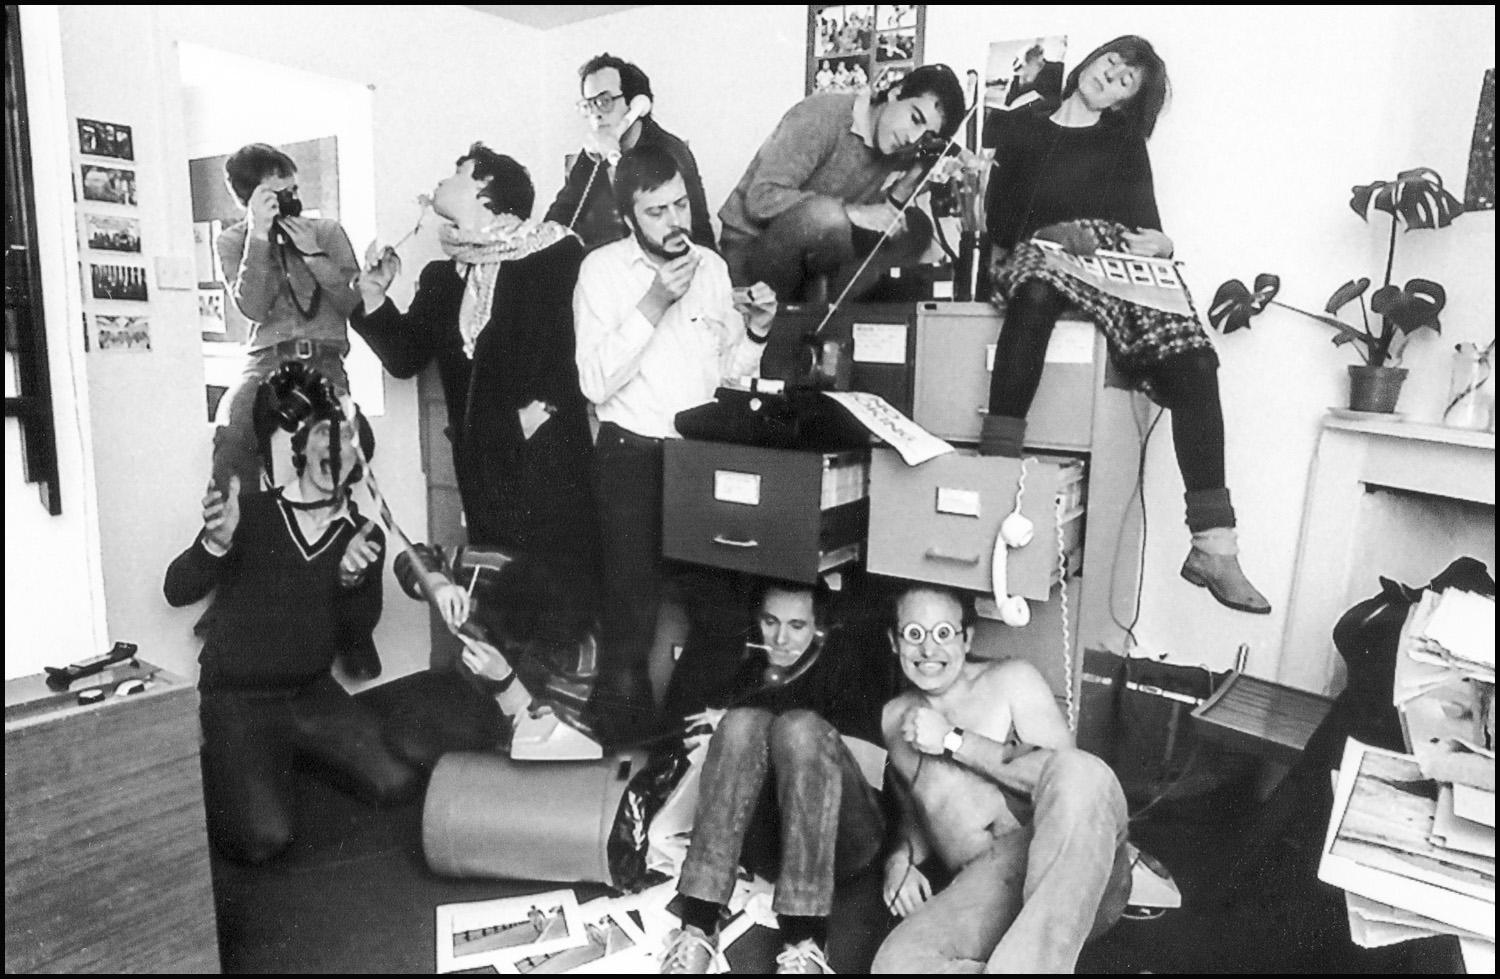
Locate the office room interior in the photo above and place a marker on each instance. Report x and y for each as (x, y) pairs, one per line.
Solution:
(1237, 741)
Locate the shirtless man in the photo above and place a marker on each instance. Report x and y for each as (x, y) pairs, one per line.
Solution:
(1031, 829)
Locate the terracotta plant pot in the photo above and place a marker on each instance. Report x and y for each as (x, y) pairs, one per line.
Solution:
(1375, 389)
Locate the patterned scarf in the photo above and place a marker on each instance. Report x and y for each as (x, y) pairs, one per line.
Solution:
(478, 254)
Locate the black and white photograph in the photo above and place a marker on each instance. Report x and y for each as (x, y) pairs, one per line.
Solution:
(113, 233)
(122, 333)
(118, 282)
(109, 184)
(105, 139)
(855, 488)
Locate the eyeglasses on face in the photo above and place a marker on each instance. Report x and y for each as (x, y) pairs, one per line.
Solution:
(600, 103)
(941, 633)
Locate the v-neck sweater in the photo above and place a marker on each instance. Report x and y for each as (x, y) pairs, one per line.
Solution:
(279, 611)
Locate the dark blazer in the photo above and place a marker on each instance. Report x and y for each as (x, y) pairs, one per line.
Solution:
(529, 494)
(598, 221)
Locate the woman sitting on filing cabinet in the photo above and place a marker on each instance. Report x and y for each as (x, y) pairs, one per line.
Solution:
(1078, 174)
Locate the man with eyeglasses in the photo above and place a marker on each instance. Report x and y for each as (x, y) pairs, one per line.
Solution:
(826, 187)
(1029, 830)
(616, 102)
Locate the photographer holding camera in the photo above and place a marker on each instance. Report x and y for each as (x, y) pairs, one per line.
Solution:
(294, 571)
(290, 276)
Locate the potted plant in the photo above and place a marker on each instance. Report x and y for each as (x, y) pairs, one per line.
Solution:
(1415, 198)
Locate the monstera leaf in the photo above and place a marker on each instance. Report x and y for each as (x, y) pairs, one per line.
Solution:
(1345, 294)
(1411, 307)
(1234, 304)
(1416, 196)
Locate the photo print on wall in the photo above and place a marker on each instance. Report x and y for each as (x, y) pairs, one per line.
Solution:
(119, 282)
(105, 139)
(862, 47)
(108, 184)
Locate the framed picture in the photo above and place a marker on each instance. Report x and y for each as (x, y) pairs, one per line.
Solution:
(119, 282)
(112, 233)
(1024, 71)
(125, 333)
(108, 184)
(861, 47)
(211, 308)
(105, 139)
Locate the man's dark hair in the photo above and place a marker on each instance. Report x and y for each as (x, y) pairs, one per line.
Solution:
(939, 82)
(822, 598)
(507, 185)
(968, 614)
(1140, 112)
(247, 167)
(633, 81)
(642, 169)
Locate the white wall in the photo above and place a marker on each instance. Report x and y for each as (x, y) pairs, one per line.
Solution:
(1278, 112)
(441, 77)
(54, 583)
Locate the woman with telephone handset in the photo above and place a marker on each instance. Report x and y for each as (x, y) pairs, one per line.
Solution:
(616, 101)
(780, 777)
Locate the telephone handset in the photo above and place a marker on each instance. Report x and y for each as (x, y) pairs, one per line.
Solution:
(780, 676)
(639, 106)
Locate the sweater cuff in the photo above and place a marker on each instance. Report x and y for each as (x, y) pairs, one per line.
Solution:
(211, 548)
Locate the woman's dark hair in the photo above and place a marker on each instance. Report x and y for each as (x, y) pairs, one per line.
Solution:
(939, 82)
(507, 185)
(642, 169)
(249, 165)
(1140, 112)
(633, 81)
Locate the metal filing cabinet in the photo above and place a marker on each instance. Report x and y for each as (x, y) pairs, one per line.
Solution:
(937, 522)
(775, 512)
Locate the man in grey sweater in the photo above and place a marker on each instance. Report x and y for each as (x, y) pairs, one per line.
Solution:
(824, 186)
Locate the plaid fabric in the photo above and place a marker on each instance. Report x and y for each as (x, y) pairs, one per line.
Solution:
(1139, 337)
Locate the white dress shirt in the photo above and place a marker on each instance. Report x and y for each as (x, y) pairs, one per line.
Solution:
(640, 376)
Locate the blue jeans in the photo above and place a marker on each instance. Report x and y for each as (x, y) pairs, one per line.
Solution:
(1028, 903)
(831, 827)
(236, 451)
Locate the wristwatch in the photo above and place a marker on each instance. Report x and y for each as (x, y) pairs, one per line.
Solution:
(952, 741)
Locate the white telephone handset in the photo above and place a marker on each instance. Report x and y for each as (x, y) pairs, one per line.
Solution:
(606, 144)
(639, 106)
(1016, 530)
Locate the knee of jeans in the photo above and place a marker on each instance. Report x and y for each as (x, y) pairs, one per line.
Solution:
(744, 722)
(1081, 781)
(895, 957)
(799, 734)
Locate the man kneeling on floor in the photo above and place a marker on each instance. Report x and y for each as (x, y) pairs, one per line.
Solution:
(779, 775)
(1031, 830)
(294, 571)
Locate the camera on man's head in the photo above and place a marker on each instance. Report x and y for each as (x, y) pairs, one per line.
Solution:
(299, 393)
(288, 204)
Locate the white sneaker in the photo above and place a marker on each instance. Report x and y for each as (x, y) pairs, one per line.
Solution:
(803, 959)
(690, 952)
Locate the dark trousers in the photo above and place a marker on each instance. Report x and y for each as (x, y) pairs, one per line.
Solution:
(792, 775)
(627, 492)
(1188, 385)
(815, 239)
(251, 741)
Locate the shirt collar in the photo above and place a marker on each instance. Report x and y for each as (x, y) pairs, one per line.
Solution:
(862, 123)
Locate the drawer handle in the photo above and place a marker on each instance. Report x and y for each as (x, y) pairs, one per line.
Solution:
(933, 554)
(731, 542)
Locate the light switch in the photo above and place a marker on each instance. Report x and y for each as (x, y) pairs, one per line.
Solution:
(176, 272)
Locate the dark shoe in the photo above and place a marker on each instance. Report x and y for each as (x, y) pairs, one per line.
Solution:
(1221, 575)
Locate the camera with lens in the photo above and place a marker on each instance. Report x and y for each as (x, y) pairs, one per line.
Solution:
(931, 147)
(288, 204)
(300, 392)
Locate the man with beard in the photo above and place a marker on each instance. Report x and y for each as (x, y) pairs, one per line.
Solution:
(659, 326)
(1030, 830)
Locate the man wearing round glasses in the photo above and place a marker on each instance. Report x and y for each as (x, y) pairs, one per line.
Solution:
(616, 102)
(1029, 830)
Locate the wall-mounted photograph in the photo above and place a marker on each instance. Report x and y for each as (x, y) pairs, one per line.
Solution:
(112, 233)
(108, 184)
(131, 333)
(1024, 71)
(842, 75)
(850, 47)
(105, 139)
(211, 308)
(119, 282)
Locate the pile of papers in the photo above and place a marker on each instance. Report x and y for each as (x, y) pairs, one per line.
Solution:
(1415, 857)
(552, 934)
(1459, 634)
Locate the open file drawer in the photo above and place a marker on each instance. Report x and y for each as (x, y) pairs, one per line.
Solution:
(937, 522)
(774, 512)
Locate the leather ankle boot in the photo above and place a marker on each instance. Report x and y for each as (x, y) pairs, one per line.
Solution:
(1214, 563)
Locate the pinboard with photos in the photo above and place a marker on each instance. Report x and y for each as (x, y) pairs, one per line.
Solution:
(862, 46)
